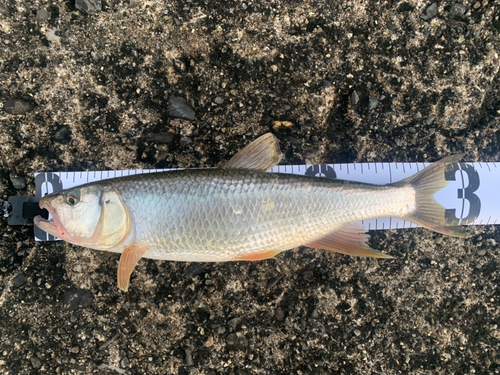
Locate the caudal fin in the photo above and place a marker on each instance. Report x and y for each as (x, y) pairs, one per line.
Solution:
(429, 213)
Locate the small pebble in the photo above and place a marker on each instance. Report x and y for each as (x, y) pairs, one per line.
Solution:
(274, 68)
(189, 358)
(209, 343)
(42, 15)
(77, 298)
(75, 350)
(430, 12)
(62, 133)
(481, 252)
(35, 362)
(354, 98)
(194, 269)
(4, 9)
(184, 141)
(357, 332)
(124, 362)
(19, 182)
(178, 108)
(18, 281)
(219, 100)
(17, 106)
(233, 323)
(372, 103)
(457, 10)
(88, 6)
(430, 120)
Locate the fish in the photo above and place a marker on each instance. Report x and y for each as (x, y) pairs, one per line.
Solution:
(238, 212)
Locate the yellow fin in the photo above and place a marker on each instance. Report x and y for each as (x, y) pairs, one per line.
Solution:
(429, 213)
(128, 261)
(349, 239)
(262, 154)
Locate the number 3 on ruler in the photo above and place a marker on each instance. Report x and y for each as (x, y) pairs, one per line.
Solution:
(466, 193)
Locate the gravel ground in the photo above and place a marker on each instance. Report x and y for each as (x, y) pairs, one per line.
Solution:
(336, 81)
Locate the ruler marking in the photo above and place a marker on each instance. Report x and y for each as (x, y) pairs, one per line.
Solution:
(463, 184)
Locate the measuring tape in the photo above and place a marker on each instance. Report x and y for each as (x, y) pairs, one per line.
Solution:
(470, 184)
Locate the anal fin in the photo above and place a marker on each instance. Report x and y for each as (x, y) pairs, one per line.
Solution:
(258, 256)
(349, 239)
(128, 260)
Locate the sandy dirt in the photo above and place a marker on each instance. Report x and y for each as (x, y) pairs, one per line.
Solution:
(91, 92)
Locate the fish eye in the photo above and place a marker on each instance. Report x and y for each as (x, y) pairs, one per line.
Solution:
(73, 197)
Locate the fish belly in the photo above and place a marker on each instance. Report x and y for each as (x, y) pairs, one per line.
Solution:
(220, 215)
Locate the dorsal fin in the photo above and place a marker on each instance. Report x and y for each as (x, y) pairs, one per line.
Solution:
(262, 154)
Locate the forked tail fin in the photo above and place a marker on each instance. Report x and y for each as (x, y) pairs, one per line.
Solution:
(429, 213)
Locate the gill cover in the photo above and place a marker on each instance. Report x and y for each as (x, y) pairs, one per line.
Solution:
(114, 224)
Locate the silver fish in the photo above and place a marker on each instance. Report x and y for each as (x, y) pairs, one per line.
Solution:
(238, 212)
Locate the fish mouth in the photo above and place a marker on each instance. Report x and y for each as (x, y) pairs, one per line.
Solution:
(53, 225)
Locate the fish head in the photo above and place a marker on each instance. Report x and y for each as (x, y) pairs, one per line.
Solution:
(89, 216)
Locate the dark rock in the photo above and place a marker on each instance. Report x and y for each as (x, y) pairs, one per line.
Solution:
(189, 358)
(35, 362)
(19, 182)
(178, 107)
(160, 137)
(185, 141)
(17, 106)
(233, 323)
(194, 269)
(354, 98)
(430, 12)
(4, 9)
(89, 6)
(42, 15)
(233, 342)
(457, 10)
(62, 133)
(124, 362)
(18, 281)
(372, 103)
(77, 298)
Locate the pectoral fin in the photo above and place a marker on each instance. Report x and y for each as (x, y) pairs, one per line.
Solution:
(128, 260)
(350, 239)
(262, 154)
